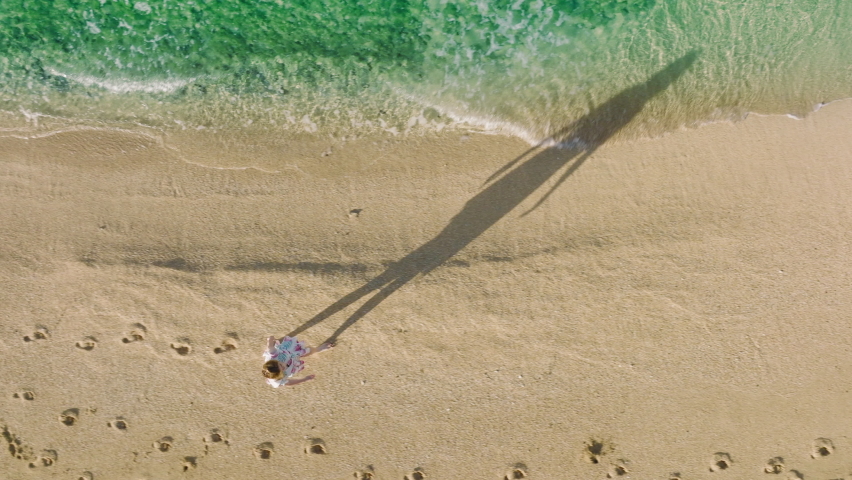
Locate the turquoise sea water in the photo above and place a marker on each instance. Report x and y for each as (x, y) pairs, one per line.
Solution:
(346, 68)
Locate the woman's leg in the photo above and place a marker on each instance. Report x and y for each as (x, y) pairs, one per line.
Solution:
(321, 348)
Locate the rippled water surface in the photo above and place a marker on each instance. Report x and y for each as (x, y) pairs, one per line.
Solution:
(344, 67)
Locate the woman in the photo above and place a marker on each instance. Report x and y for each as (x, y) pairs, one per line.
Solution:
(284, 359)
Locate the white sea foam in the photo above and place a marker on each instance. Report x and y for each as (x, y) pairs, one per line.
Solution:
(124, 86)
(142, 7)
(480, 123)
(494, 126)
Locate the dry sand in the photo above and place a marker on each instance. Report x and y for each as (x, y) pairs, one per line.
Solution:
(677, 306)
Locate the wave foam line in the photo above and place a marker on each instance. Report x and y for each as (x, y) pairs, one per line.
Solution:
(124, 86)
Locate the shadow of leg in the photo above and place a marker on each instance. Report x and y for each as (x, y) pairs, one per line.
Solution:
(368, 305)
(335, 307)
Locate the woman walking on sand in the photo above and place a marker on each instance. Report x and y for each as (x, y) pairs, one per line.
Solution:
(283, 359)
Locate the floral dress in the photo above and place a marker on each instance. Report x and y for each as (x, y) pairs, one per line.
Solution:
(287, 352)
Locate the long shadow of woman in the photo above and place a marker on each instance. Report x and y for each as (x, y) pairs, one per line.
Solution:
(507, 188)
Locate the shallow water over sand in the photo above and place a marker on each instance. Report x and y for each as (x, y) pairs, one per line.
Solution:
(348, 69)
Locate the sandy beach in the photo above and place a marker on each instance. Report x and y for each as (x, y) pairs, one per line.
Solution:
(677, 308)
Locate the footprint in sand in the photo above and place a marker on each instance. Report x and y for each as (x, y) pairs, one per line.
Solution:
(69, 417)
(181, 347)
(189, 463)
(264, 451)
(46, 459)
(137, 334)
(41, 333)
(228, 344)
(17, 448)
(517, 472)
(86, 476)
(216, 436)
(774, 465)
(721, 461)
(25, 395)
(417, 474)
(367, 474)
(618, 469)
(594, 450)
(119, 424)
(21, 451)
(87, 343)
(822, 447)
(164, 444)
(315, 446)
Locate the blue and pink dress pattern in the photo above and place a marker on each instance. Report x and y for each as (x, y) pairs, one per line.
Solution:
(287, 352)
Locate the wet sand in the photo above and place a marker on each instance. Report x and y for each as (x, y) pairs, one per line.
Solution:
(678, 307)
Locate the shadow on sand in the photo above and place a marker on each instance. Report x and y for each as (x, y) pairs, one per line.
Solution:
(507, 188)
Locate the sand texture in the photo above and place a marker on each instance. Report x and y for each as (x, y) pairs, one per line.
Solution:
(678, 307)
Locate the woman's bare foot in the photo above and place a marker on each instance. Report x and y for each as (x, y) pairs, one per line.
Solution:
(325, 346)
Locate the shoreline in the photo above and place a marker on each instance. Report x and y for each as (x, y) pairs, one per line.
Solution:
(679, 301)
(270, 138)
